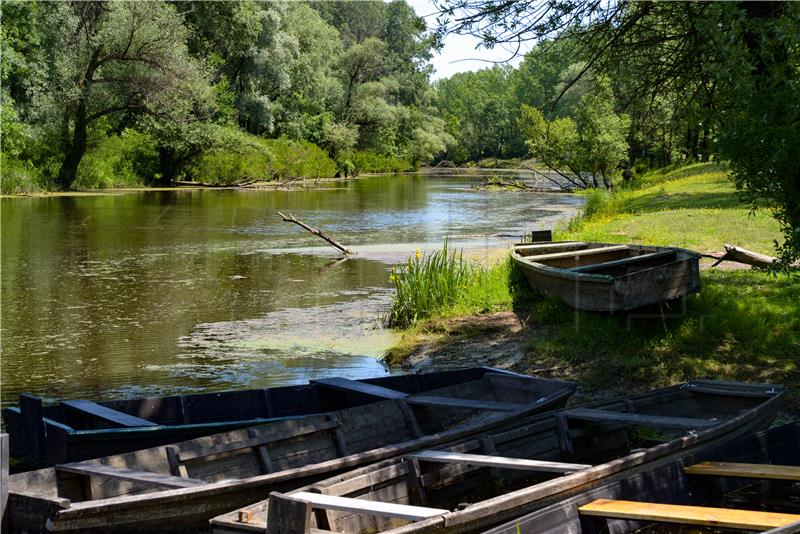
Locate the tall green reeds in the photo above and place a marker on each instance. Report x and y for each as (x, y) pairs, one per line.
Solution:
(426, 284)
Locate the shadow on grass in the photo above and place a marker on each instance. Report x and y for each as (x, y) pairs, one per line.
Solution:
(743, 325)
(659, 201)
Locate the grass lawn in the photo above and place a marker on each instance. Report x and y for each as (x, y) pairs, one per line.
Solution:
(742, 325)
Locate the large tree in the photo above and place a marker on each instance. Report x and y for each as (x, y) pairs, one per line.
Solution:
(737, 63)
(109, 60)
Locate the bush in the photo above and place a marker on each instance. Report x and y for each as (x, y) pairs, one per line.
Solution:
(125, 160)
(18, 176)
(245, 158)
(370, 161)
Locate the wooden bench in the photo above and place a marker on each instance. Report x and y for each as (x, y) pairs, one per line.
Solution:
(578, 253)
(499, 461)
(743, 470)
(452, 402)
(106, 414)
(624, 261)
(689, 515)
(608, 416)
(134, 475)
(345, 384)
(363, 506)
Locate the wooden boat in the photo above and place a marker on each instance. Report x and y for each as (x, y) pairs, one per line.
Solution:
(180, 487)
(77, 430)
(690, 489)
(506, 472)
(607, 277)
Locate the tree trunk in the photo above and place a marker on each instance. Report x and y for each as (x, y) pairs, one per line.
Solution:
(76, 149)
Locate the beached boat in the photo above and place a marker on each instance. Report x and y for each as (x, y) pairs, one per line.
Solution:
(507, 472)
(74, 430)
(717, 488)
(178, 488)
(607, 277)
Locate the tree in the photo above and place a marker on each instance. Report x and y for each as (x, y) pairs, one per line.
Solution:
(736, 61)
(115, 59)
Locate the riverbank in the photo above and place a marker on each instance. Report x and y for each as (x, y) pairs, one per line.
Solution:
(743, 325)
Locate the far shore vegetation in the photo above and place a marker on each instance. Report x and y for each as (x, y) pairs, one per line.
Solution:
(744, 324)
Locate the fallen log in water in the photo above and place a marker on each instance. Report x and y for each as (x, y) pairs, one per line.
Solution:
(292, 219)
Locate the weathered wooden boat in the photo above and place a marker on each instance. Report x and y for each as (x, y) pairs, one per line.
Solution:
(607, 277)
(180, 487)
(77, 430)
(694, 489)
(504, 473)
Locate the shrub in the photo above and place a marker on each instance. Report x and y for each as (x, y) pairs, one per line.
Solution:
(370, 161)
(124, 160)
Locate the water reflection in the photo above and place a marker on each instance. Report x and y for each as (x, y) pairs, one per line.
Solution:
(144, 293)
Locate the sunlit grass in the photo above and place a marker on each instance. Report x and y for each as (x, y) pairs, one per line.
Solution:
(445, 284)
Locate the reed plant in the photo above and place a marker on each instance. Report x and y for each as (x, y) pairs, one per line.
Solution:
(426, 284)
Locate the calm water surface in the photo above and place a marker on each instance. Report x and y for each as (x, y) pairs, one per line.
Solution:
(180, 291)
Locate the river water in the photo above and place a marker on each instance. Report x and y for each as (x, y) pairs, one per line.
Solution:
(158, 292)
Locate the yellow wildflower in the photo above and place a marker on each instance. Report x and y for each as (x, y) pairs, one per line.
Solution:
(417, 254)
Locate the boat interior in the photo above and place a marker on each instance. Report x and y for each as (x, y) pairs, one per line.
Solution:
(595, 258)
(293, 443)
(538, 449)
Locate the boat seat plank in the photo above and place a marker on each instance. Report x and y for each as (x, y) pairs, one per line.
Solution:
(548, 246)
(383, 509)
(499, 461)
(691, 515)
(572, 254)
(735, 469)
(792, 528)
(134, 475)
(588, 414)
(107, 414)
(262, 439)
(624, 261)
(345, 384)
(452, 402)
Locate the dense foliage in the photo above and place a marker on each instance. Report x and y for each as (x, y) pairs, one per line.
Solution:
(103, 94)
(690, 80)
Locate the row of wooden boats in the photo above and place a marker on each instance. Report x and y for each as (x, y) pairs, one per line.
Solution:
(607, 277)
(462, 457)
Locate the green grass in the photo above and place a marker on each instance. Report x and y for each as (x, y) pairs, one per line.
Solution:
(693, 206)
(444, 284)
(742, 325)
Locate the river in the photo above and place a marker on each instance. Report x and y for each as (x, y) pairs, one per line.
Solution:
(157, 292)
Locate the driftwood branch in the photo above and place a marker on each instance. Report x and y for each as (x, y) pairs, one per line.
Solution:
(292, 219)
(740, 255)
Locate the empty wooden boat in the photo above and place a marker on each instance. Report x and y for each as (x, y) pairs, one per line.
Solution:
(708, 488)
(506, 472)
(180, 487)
(607, 277)
(77, 430)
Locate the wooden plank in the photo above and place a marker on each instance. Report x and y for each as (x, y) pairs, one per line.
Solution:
(498, 461)
(577, 253)
(792, 528)
(744, 470)
(107, 414)
(263, 438)
(363, 506)
(286, 515)
(262, 454)
(411, 420)
(33, 428)
(587, 414)
(345, 384)
(452, 402)
(547, 246)
(4, 458)
(623, 262)
(690, 515)
(338, 435)
(134, 475)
